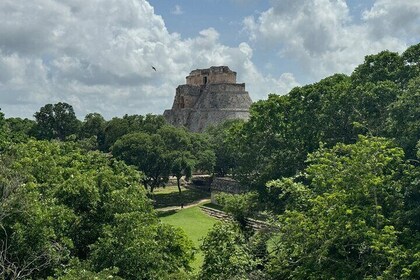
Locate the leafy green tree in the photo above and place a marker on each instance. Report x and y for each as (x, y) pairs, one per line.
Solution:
(148, 153)
(81, 271)
(205, 161)
(226, 254)
(118, 127)
(176, 139)
(124, 245)
(67, 203)
(56, 121)
(224, 151)
(158, 155)
(349, 227)
(335, 111)
(371, 102)
(282, 130)
(114, 130)
(411, 58)
(93, 126)
(19, 130)
(384, 66)
(203, 151)
(182, 164)
(240, 206)
(404, 118)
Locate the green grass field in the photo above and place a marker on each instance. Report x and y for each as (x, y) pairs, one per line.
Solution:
(195, 223)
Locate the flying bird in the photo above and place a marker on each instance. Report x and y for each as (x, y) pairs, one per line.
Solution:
(153, 67)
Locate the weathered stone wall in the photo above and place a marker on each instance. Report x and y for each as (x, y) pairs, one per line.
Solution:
(198, 106)
(225, 96)
(186, 96)
(225, 185)
(212, 75)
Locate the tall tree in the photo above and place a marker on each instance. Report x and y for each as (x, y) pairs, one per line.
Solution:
(93, 129)
(148, 153)
(182, 164)
(56, 121)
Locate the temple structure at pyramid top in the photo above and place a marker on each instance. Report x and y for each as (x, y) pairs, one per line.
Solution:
(210, 96)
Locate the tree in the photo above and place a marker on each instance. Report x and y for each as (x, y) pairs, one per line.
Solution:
(56, 121)
(384, 66)
(2, 131)
(93, 126)
(224, 151)
(142, 252)
(118, 127)
(240, 206)
(182, 164)
(19, 130)
(404, 118)
(226, 254)
(203, 151)
(71, 206)
(148, 153)
(205, 161)
(350, 226)
(371, 104)
(411, 59)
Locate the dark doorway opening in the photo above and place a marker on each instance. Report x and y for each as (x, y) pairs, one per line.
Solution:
(205, 80)
(182, 102)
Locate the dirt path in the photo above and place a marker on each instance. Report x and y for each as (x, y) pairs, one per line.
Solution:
(164, 209)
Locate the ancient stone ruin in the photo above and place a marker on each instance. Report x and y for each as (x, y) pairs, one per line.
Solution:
(210, 96)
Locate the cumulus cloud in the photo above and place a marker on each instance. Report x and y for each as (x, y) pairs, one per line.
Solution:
(323, 38)
(97, 56)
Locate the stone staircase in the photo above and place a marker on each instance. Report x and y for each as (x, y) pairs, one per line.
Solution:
(220, 215)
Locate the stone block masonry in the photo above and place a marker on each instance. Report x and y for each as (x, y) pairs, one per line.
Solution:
(210, 96)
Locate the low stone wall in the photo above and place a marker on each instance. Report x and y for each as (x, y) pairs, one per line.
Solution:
(201, 182)
(225, 185)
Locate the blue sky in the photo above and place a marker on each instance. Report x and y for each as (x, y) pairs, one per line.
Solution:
(97, 55)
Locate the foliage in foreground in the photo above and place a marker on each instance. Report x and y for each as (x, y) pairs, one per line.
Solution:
(351, 220)
(226, 254)
(60, 204)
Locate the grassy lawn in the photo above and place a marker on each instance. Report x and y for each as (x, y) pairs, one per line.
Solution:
(169, 196)
(195, 223)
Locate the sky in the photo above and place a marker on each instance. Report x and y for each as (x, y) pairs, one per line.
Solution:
(97, 55)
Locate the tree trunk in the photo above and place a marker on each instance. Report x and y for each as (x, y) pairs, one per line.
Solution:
(178, 180)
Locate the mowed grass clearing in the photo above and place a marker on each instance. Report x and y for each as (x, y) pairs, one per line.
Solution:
(196, 225)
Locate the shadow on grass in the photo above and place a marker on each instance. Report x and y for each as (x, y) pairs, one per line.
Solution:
(187, 196)
(162, 214)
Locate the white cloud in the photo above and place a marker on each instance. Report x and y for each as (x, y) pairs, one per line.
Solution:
(322, 38)
(177, 10)
(97, 56)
